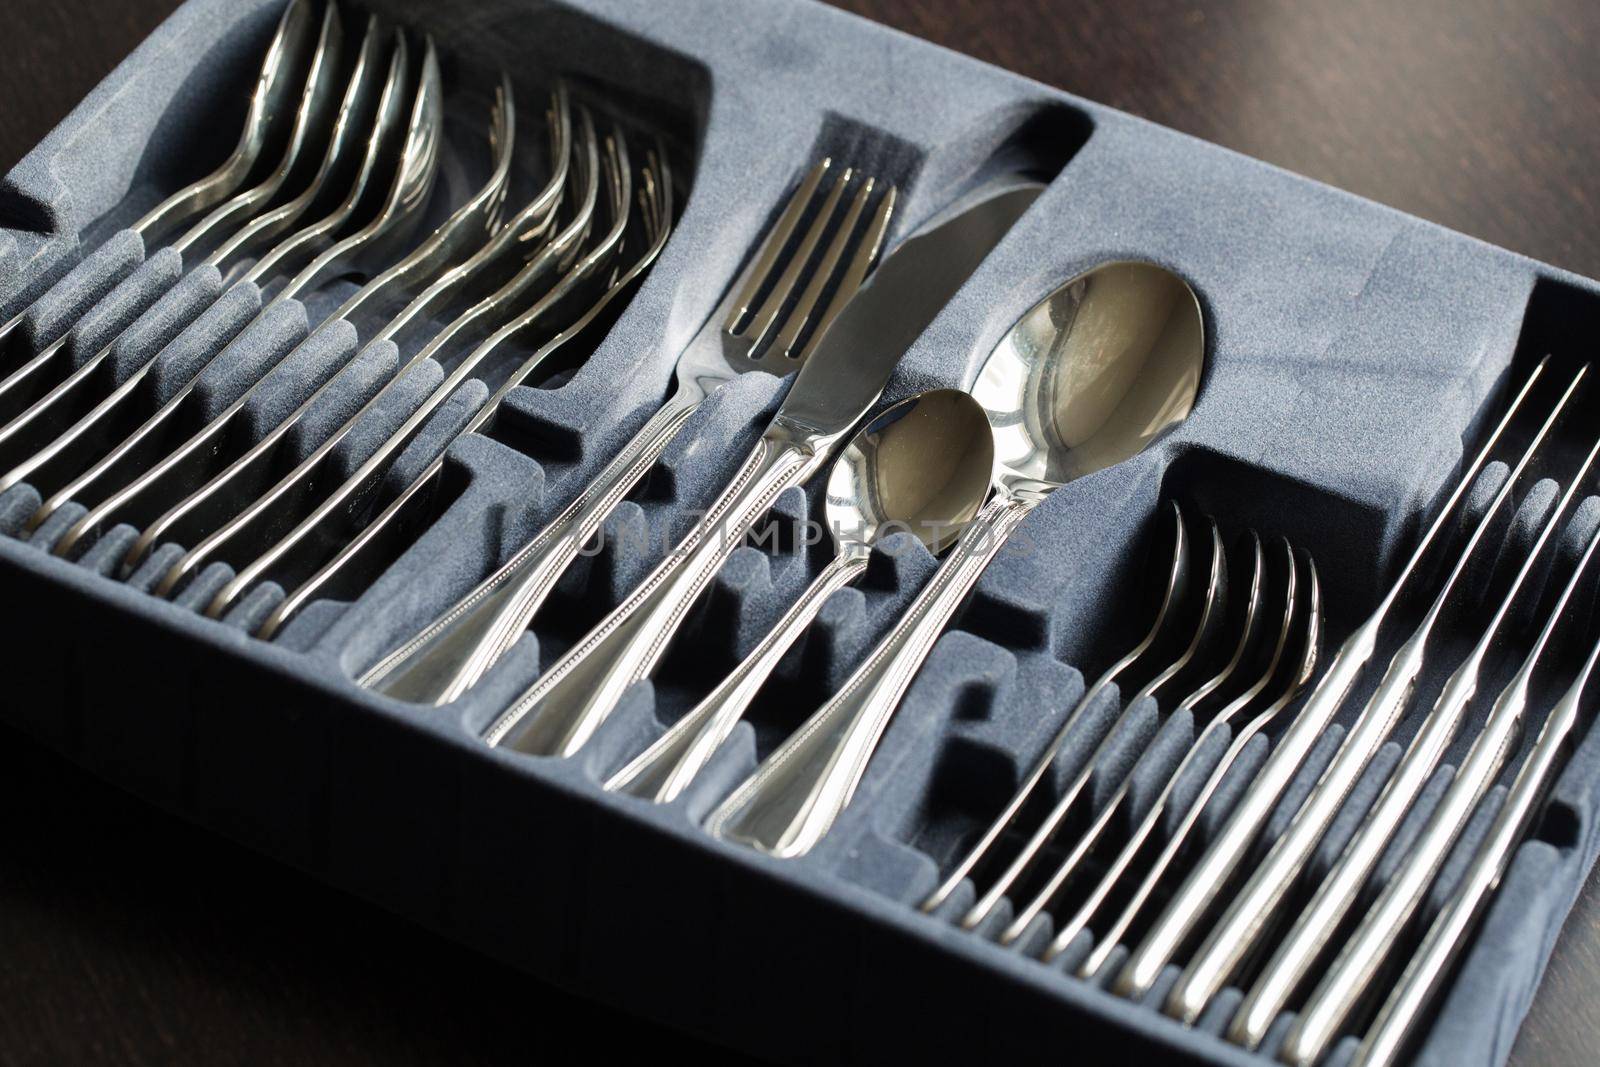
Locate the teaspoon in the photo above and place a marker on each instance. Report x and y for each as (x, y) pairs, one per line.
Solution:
(922, 467)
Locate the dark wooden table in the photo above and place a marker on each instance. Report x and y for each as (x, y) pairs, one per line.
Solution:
(127, 936)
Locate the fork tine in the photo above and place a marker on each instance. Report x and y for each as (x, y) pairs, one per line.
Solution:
(756, 273)
(856, 272)
(763, 320)
(801, 314)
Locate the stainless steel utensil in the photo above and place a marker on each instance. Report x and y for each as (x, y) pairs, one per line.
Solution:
(1091, 375)
(521, 256)
(836, 385)
(1302, 667)
(1174, 593)
(454, 252)
(1401, 1014)
(390, 525)
(87, 456)
(1211, 610)
(1111, 813)
(123, 471)
(494, 322)
(1195, 898)
(1253, 908)
(317, 101)
(922, 467)
(271, 108)
(449, 655)
(1355, 968)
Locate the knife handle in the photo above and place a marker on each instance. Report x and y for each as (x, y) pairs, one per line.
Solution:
(793, 798)
(453, 652)
(571, 699)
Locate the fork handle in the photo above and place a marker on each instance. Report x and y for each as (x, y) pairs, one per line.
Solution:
(573, 697)
(793, 798)
(451, 654)
(1214, 870)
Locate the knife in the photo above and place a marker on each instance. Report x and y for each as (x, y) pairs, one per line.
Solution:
(838, 383)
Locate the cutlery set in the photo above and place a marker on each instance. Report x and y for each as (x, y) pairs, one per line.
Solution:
(279, 395)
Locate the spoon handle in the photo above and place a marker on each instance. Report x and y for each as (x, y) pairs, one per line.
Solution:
(667, 767)
(580, 690)
(793, 798)
(452, 653)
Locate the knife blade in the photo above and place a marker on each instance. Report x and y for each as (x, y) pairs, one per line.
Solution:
(845, 375)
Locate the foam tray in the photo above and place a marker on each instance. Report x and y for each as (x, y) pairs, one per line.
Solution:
(1352, 350)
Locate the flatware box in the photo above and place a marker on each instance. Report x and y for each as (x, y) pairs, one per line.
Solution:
(1353, 353)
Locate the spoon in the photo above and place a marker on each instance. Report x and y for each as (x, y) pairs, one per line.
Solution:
(923, 466)
(1090, 376)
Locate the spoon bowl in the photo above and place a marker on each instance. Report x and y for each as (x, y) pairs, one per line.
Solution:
(1092, 374)
(922, 467)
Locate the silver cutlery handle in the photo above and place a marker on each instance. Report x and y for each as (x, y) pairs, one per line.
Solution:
(667, 767)
(1446, 938)
(1340, 891)
(1357, 964)
(1019, 799)
(793, 798)
(1216, 866)
(1251, 912)
(453, 652)
(577, 693)
(1106, 941)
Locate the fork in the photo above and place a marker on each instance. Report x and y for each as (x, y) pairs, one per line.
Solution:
(475, 228)
(1301, 669)
(502, 317)
(453, 652)
(1340, 892)
(1197, 897)
(274, 95)
(361, 553)
(79, 454)
(1249, 915)
(317, 98)
(1170, 667)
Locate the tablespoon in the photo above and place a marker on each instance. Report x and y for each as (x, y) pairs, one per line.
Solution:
(922, 467)
(1093, 374)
